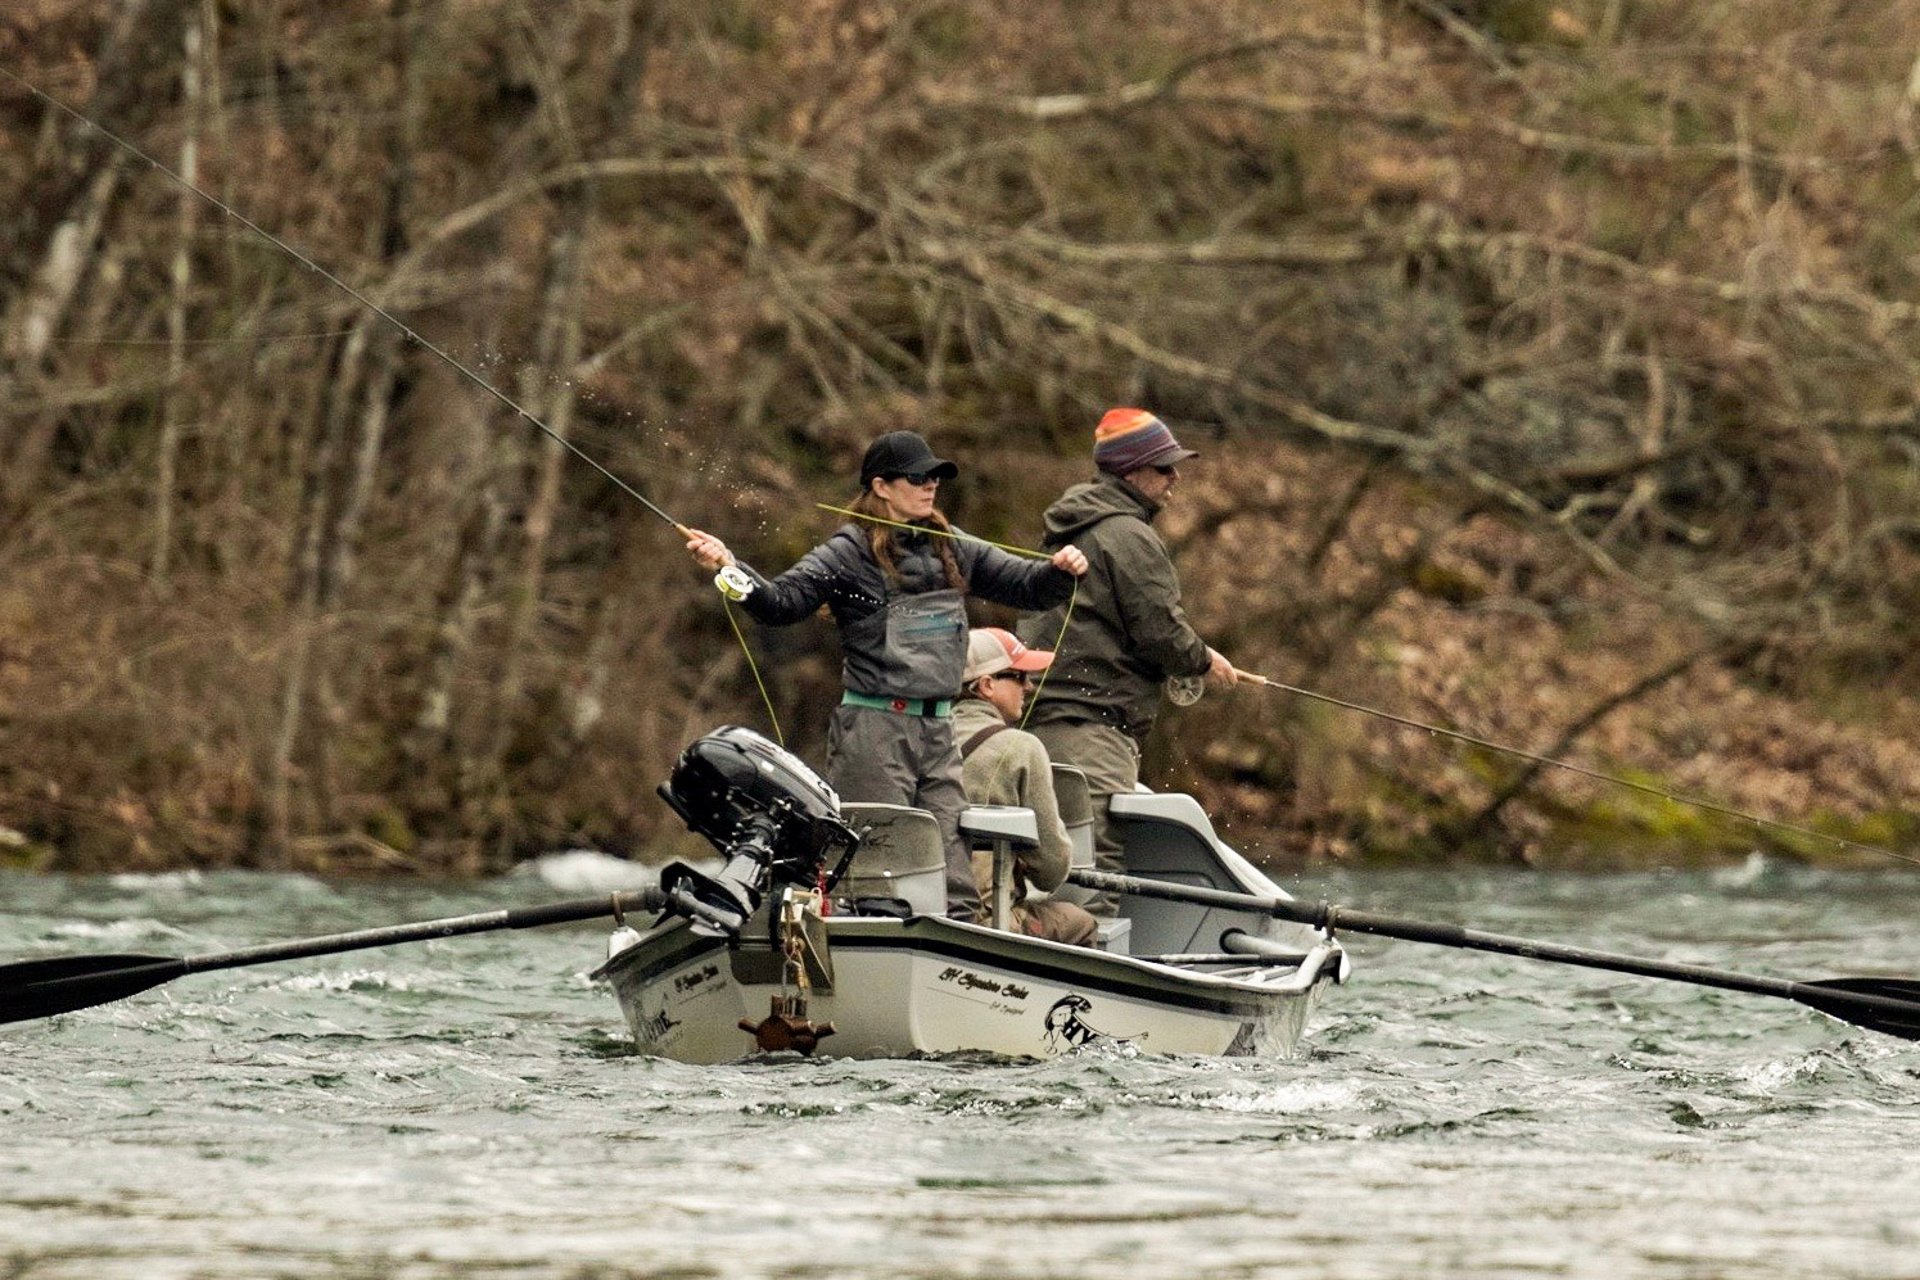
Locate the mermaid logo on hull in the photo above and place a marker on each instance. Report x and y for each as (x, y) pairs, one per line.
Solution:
(1068, 1028)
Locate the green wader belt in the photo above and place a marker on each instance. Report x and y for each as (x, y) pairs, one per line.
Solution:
(929, 707)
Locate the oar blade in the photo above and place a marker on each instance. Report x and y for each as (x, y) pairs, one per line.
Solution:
(62, 984)
(1887, 1005)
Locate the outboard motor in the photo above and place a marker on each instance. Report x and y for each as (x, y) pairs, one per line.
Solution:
(773, 819)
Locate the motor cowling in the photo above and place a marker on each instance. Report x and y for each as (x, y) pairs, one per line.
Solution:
(774, 820)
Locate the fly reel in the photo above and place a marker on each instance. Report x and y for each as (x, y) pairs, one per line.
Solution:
(1184, 691)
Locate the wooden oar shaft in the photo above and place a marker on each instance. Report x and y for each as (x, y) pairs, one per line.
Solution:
(1895, 1015)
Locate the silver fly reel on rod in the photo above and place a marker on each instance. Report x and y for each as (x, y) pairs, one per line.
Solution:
(734, 583)
(1184, 691)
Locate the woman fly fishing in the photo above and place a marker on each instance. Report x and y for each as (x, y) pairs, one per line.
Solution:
(896, 583)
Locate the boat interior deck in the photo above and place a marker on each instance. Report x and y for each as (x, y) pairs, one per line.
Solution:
(1166, 836)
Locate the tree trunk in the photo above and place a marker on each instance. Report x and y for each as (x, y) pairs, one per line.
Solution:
(304, 592)
(70, 250)
(174, 407)
(90, 168)
(37, 317)
(341, 478)
(376, 402)
(561, 316)
(557, 359)
(440, 770)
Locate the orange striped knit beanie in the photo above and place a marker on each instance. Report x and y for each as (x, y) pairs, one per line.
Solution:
(1128, 439)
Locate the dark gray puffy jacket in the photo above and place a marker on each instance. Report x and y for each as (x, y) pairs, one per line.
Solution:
(908, 638)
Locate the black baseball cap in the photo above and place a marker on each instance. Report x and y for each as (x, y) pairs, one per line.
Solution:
(903, 453)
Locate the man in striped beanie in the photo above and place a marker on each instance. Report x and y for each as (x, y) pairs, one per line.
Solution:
(1130, 440)
(1126, 633)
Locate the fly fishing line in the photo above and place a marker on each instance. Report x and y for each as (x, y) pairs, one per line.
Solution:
(307, 261)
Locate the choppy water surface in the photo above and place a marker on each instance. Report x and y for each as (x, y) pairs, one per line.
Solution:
(471, 1107)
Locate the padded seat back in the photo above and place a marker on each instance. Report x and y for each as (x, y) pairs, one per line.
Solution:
(901, 855)
(1076, 812)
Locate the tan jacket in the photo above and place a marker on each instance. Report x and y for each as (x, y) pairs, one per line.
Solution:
(1011, 767)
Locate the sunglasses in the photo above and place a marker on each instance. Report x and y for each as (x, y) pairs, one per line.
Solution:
(1022, 677)
(1167, 469)
(915, 477)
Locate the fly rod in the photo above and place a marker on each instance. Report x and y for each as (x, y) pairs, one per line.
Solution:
(310, 264)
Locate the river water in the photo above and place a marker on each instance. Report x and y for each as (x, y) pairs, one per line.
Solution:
(472, 1107)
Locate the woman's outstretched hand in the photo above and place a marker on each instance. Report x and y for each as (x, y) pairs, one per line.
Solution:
(708, 550)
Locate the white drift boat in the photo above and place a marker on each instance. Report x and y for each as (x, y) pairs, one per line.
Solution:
(757, 958)
(867, 958)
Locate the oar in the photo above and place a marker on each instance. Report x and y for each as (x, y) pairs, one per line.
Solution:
(1889, 1005)
(43, 988)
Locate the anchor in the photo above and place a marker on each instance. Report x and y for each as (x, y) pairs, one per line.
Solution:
(787, 1026)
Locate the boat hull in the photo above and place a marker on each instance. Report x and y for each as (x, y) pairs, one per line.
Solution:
(932, 985)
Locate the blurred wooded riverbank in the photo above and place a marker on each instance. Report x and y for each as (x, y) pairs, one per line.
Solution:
(1554, 366)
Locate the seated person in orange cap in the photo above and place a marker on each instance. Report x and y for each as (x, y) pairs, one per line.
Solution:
(1006, 765)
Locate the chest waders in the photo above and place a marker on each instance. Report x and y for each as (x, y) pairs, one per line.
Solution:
(912, 653)
(914, 647)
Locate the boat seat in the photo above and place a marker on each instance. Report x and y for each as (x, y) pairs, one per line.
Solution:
(994, 824)
(1001, 830)
(1168, 836)
(1076, 811)
(901, 855)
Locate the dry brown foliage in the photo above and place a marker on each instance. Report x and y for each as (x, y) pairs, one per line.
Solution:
(1554, 362)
